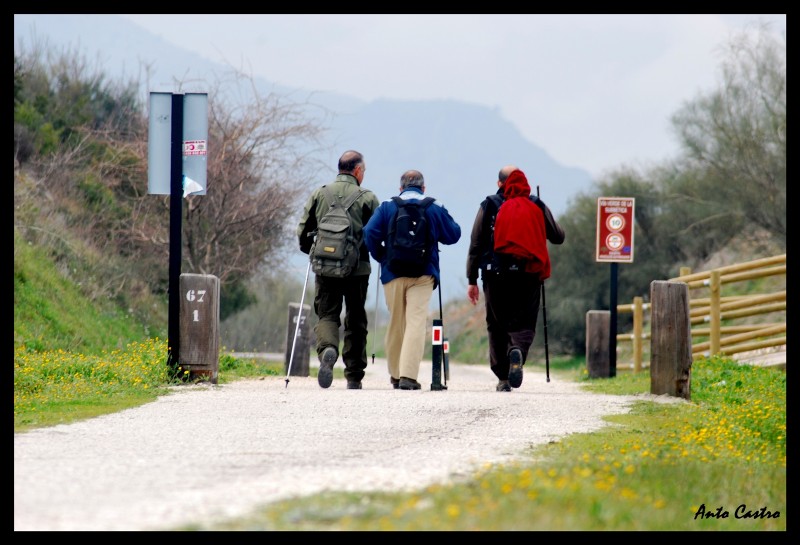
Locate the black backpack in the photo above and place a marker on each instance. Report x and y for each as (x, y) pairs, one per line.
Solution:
(408, 243)
(335, 251)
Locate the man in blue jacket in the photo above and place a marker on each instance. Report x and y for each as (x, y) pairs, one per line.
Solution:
(408, 297)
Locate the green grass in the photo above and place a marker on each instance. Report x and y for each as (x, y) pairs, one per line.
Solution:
(52, 312)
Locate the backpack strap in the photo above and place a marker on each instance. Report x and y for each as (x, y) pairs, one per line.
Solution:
(347, 203)
(490, 215)
(487, 260)
(425, 203)
(330, 196)
(497, 201)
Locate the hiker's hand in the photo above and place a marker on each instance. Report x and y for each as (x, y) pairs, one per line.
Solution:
(473, 294)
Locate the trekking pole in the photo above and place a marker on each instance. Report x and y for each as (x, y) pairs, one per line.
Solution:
(544, 318)
(297, 324)
(444, 339)
(375, 328)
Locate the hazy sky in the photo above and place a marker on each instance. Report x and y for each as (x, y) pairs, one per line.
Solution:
(595, 91)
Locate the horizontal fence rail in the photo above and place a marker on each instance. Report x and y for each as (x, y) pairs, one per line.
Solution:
(712, 310)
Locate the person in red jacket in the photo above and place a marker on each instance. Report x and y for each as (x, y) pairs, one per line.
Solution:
(512, 293)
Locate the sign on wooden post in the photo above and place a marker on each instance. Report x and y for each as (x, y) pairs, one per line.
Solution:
(615, 217)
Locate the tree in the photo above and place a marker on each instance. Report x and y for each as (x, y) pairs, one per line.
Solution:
(260, 163)
(734, 138)
(83, 140)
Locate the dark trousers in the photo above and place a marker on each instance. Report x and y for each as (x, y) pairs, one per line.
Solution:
(329, 294)
(512, 308)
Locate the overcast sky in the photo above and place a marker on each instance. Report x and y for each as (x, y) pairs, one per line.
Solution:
(595, 91)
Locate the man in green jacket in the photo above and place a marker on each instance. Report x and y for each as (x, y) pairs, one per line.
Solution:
(329, 291)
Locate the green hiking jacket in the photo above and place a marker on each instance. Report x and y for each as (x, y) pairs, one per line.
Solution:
(360, 213)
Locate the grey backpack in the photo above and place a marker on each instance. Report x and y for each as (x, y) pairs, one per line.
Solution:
(335, 251)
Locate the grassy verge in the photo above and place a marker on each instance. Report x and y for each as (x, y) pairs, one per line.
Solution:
(58, 387)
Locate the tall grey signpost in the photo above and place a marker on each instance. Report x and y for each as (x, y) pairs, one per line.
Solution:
(177, 151)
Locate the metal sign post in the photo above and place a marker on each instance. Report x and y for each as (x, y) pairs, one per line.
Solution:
(615, 218)
(176, 168)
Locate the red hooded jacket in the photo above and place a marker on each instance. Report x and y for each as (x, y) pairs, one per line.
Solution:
(519, 229)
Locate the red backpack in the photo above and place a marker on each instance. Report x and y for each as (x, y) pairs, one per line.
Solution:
(520, 238)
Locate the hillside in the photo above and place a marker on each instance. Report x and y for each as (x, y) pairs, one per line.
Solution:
(459, 147)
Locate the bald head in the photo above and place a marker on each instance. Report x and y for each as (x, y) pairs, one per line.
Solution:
(349, 161)
(505, 171)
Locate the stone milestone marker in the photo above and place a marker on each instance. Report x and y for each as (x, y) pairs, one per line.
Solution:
(199, 326)
(598, 360)
(302, 345)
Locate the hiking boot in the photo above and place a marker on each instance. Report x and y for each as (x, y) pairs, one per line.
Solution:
(395, 382)
(326, 361)
(515, 367)
(409, 384)
(353, 385)
(503, 386)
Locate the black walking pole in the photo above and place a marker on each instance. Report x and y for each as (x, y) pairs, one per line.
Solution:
(437, 348)
(444, 338)
(544, 318)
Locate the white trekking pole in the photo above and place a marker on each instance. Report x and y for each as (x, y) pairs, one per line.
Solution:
(297, 324)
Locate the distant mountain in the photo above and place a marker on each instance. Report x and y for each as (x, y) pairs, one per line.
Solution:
(459, 147)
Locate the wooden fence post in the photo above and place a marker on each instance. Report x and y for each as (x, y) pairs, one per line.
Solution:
(714, 312)
(638, 320)
(598, 326)
(670, 339)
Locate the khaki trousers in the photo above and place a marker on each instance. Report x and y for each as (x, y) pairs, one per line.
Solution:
(407, 300)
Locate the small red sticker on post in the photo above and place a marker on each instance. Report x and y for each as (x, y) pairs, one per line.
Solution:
(446, 346)
(194, 147)
(436, 335)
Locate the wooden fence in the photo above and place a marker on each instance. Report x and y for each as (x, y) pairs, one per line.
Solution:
(713, 315)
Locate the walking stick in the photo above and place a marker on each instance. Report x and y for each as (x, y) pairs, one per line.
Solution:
(444, 339)
(297, 324)
(544, 317)
(375, 327)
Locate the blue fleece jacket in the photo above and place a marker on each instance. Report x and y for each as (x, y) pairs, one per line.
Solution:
(443, 229)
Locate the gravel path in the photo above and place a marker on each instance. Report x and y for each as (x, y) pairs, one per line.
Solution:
(205, 453)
